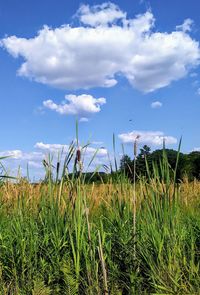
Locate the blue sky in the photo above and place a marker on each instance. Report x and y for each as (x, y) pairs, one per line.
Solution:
(106, 62)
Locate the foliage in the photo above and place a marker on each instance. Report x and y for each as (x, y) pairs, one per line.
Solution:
(72, 237)
(188, 164)
(68, 236)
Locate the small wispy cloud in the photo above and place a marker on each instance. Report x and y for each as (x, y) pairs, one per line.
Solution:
(186, 26)
(97, 142)
(83, 119)
(103, 14)
(156, 104)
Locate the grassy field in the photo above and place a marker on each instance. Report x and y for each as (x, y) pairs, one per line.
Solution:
(71, 237)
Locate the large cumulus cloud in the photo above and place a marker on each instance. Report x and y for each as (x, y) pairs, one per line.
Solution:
(104, 46)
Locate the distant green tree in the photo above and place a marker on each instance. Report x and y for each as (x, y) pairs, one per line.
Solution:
(146, 157)
(145, 150)
(192, 166)
(143, 159)
(126, 166)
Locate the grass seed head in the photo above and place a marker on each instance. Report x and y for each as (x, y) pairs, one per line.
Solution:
(135, 145)
(78, 155)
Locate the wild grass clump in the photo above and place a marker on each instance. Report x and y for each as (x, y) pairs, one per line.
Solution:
(70, 237)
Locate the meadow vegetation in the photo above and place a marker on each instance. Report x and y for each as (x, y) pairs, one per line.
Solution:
(68, 236)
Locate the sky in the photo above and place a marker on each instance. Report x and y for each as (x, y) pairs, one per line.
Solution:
(127, 68)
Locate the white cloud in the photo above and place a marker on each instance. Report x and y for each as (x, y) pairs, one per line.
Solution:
(97, 142)
(77, 105)
(19, 159)
(88, 151)
(47, 147)
(186, 26)
(196, 149)
(35, 164)
(20, 155)
(147, 137)
(97, 15)
(83, 119)
(83, 57)
(15, 154)
(17, 162)
(156, 104)
(101, 152)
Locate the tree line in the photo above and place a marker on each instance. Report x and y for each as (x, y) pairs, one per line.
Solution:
(188, 164)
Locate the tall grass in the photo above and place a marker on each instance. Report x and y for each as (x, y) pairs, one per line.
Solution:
(69, 237)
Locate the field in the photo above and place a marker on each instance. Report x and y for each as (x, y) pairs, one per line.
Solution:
(100, 147)
(119, 237)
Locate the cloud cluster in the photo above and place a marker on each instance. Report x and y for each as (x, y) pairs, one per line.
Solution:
(15, 154)
(51, 148)
(19, 158)
(83, 119)
(156, 104)
(81, 105)
(186, 26)
(100, 15)
(104, 46)
(20, 155)
(55, 148)
(155, 138)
